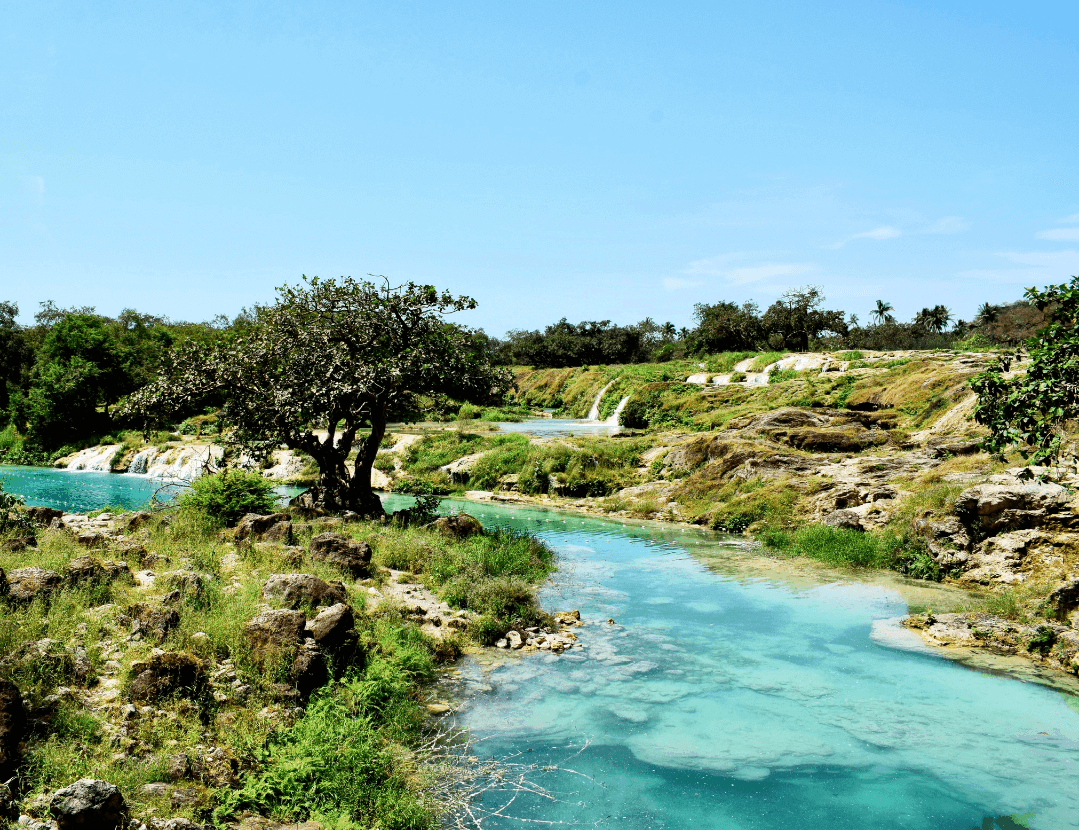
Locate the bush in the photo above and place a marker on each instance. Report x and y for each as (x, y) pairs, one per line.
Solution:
(227, 496)
(839, 547)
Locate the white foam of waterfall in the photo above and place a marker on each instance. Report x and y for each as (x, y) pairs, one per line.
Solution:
(593, 413)
(98, 459)
(141, 462)
(613, 419)
(184, 463)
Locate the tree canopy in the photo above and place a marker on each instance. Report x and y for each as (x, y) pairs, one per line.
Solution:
(323, 370)
(1034, 410)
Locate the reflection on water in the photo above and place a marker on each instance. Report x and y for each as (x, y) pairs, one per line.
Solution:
(740, 695)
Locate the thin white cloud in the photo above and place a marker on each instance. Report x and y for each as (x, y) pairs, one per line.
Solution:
(949, 224)
(881, 233)
(1067, 220)
(720, 266)
(676, 283)
(1059, 233)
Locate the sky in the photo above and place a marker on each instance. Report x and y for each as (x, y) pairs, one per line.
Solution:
(582, 160)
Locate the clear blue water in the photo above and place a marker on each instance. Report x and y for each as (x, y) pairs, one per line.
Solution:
(557, 426)
(81, 491)
(734, 693)
(732, 697)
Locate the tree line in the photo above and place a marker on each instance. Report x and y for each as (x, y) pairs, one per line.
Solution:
(797, 321)
(63, 377)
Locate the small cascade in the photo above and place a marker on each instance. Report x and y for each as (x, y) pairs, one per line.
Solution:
(593, 413)
(184, 463)
(97, 459)
(141, 462)
(613, 420)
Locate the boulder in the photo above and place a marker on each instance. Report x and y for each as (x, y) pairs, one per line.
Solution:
(276, 527)
(49, 658)
(458, 526)
(12, 727)
(273, 632)
(850, 438)
(89, 803)
(138, 519)
(43, 515)
(845, 518)
(996, 507)
(92, 538)
(347, 554)
(944, 447)
(167, 674)
(188, 583)
(308, 670)
(153, 619)
(17, 543)
(28, 584)
(299, 589)
(84, 569)
(333, 628)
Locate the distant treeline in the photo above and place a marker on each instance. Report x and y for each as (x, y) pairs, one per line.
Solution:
(797, 321)
(61, 378)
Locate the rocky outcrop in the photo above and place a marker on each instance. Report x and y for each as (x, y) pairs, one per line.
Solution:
(12, 727)
(44, 516)
(274, 635)
(992, 508)
(83, 570)
(333, 628)
(338, 550)
(50, 658)
(295, 590)
(168, 674)
(153, 619)
(1051, 643)
(276, 527)
(273, 632)
(89, 803)
(27, 584)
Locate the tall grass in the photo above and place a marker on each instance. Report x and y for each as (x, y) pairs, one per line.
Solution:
(839, 547)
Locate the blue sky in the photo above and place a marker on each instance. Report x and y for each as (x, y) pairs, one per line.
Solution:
(593, 161)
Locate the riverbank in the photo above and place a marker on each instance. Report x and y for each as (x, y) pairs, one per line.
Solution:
(202, 674)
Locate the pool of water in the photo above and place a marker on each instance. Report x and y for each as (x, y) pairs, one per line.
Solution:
(557, 426)
(728, 695)
(81, 491)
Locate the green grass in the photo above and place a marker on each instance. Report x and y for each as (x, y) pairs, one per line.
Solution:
(849, 356)
(838, 547)
(766, 359)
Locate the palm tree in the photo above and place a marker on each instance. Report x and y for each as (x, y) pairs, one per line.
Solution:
(882, 312)
(987, 314)
(933, 319)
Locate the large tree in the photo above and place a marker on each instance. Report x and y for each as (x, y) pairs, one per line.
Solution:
(1036, 411)
(323, 370)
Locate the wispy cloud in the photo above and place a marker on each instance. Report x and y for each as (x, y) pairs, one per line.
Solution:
(1067, 220)
(883, 232)
(724, 268)
(676, 283)
(949, 224)
(1060, 233)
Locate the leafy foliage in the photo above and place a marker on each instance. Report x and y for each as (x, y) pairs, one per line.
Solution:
(229, 495)
(12, 515)
(344, 354)
(1034, 410)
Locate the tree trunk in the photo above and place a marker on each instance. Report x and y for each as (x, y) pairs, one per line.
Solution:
(364, 499)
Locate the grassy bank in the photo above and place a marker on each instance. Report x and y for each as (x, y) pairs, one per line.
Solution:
(240, 737)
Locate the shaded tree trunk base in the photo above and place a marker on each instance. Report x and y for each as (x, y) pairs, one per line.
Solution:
(322, 500)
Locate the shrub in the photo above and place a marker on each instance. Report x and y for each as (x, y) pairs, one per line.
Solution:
(227, 496)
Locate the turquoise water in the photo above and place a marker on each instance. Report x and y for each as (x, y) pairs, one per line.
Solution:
(730, 692)
(728, 698)
(557, 426)
(81, 491)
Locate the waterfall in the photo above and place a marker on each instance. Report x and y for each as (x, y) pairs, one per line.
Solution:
(613, 420)
(141, 462)
(593, 413)
(98, 459)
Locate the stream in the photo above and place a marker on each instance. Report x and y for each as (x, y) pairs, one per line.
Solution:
(715, 687)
